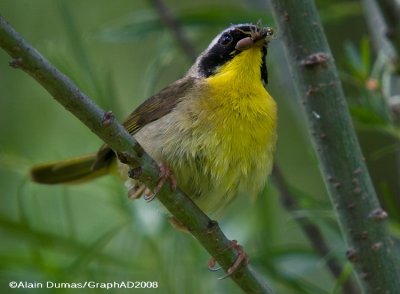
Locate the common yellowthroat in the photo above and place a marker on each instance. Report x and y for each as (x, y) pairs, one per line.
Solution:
(215, 128)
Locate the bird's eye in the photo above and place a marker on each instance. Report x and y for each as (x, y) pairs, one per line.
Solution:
(226, 39)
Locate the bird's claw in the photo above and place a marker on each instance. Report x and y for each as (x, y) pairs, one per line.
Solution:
(166, 174)
(242, 259)
(212, 265)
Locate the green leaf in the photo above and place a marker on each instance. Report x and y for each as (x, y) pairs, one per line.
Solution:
(366, 116)
(365, 51)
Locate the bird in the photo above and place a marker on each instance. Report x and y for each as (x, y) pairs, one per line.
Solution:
(213, 131)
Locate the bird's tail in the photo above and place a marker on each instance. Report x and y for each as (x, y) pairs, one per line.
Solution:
(70, 171)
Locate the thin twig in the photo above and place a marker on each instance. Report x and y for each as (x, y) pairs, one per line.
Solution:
(312, 231)
(391, 13)
(103, 124)
(378, 30)
(171, 22)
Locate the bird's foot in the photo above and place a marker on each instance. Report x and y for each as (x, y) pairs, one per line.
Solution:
(166, 174)
(138, 191)
(242, 259)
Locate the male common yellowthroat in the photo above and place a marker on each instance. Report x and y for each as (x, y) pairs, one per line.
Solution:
(215, 128)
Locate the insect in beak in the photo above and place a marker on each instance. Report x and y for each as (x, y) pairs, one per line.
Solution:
(255, 35)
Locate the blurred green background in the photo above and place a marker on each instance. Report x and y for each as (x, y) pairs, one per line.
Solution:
(119, 53)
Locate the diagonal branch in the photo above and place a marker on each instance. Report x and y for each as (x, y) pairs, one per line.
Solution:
(103, 124)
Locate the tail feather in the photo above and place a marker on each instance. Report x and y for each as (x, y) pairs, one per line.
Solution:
(70, 171)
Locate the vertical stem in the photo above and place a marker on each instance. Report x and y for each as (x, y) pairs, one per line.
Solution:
(342, 165)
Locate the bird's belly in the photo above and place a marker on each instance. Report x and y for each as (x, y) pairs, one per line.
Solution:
(226, 166)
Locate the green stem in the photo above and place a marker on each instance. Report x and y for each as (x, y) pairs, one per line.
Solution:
(361, 218)
(110, 131)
